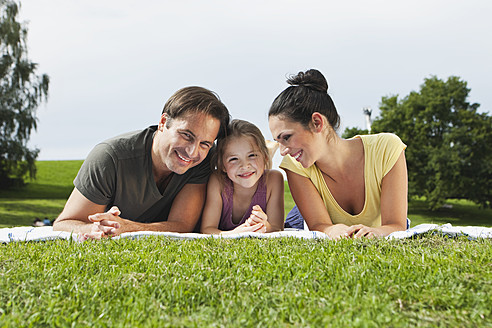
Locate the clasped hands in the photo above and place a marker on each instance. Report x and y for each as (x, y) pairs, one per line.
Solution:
(103, 224)
(339, 231)
(257, 222)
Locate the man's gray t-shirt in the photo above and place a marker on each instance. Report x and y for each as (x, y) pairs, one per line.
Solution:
(118, 172)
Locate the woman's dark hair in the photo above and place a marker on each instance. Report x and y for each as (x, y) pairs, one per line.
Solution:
(307, 94)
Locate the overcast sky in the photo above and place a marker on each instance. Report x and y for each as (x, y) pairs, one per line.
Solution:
(114, 63)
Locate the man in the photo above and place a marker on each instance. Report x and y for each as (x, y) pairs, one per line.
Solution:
(150, 180)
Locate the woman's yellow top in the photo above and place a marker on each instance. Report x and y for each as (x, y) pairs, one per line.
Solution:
(381, 151)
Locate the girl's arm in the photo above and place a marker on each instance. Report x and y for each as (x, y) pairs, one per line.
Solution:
(311, 206)
(275, 201)
(394, 203)
(213, 207)
(213, 210)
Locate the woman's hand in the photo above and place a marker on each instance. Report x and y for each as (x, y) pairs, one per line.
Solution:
(337, 231)
(360, 230)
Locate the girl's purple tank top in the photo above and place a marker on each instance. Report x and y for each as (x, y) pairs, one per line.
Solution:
(259, 198)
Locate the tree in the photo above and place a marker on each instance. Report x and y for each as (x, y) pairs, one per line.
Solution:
(352, 132)
(449, 152)
(21, 91)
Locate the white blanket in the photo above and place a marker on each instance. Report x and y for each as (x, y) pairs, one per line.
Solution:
(447, 229)
(8, 235)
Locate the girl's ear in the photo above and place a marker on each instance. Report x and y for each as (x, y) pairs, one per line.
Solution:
(317, 121)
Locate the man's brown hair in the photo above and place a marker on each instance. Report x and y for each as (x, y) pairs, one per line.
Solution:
(197, 100)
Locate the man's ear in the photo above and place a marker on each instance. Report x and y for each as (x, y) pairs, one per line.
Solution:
(162, 122)
(317, 121)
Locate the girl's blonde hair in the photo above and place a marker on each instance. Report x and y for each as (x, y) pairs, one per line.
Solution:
(239, 129)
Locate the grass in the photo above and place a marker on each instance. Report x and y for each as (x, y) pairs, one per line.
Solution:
(54, 181)
(458, 212)
(43, 197)
(161, 282)
(432, 281)
(46, 196)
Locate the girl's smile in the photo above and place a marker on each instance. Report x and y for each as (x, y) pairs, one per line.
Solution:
(243, 162)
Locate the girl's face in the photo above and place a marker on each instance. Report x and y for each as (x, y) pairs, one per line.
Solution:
(243, 161)
(294, 140)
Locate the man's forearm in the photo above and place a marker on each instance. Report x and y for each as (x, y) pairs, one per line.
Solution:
(125, 225)
(131, 226)
(72, 225)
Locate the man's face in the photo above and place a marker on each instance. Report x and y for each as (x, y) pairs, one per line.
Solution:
(183, 142)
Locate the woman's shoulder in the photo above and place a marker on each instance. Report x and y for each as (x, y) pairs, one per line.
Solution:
(379, 137)
(382, 151)
(382, 140)
(289, 163)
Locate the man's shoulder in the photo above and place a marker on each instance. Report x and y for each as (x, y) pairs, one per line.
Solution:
(130, 144)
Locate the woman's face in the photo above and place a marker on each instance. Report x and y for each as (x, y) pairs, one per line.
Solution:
(294, 139)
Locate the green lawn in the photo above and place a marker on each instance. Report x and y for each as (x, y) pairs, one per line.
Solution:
(161, 282)
(43, 197)
(461, 213)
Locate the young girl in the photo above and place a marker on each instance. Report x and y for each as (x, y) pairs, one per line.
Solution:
(243, 194)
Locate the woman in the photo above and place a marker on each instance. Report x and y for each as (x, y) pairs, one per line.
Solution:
(343, 187)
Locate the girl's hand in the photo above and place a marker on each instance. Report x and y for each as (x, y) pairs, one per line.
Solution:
(257, 216)
(246, 227)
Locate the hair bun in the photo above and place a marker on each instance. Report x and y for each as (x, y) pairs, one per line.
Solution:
(312, 79)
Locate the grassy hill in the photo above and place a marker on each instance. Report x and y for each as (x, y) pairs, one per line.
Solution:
(43, 197)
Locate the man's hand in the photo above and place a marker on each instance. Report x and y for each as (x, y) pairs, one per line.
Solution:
(104, 224)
